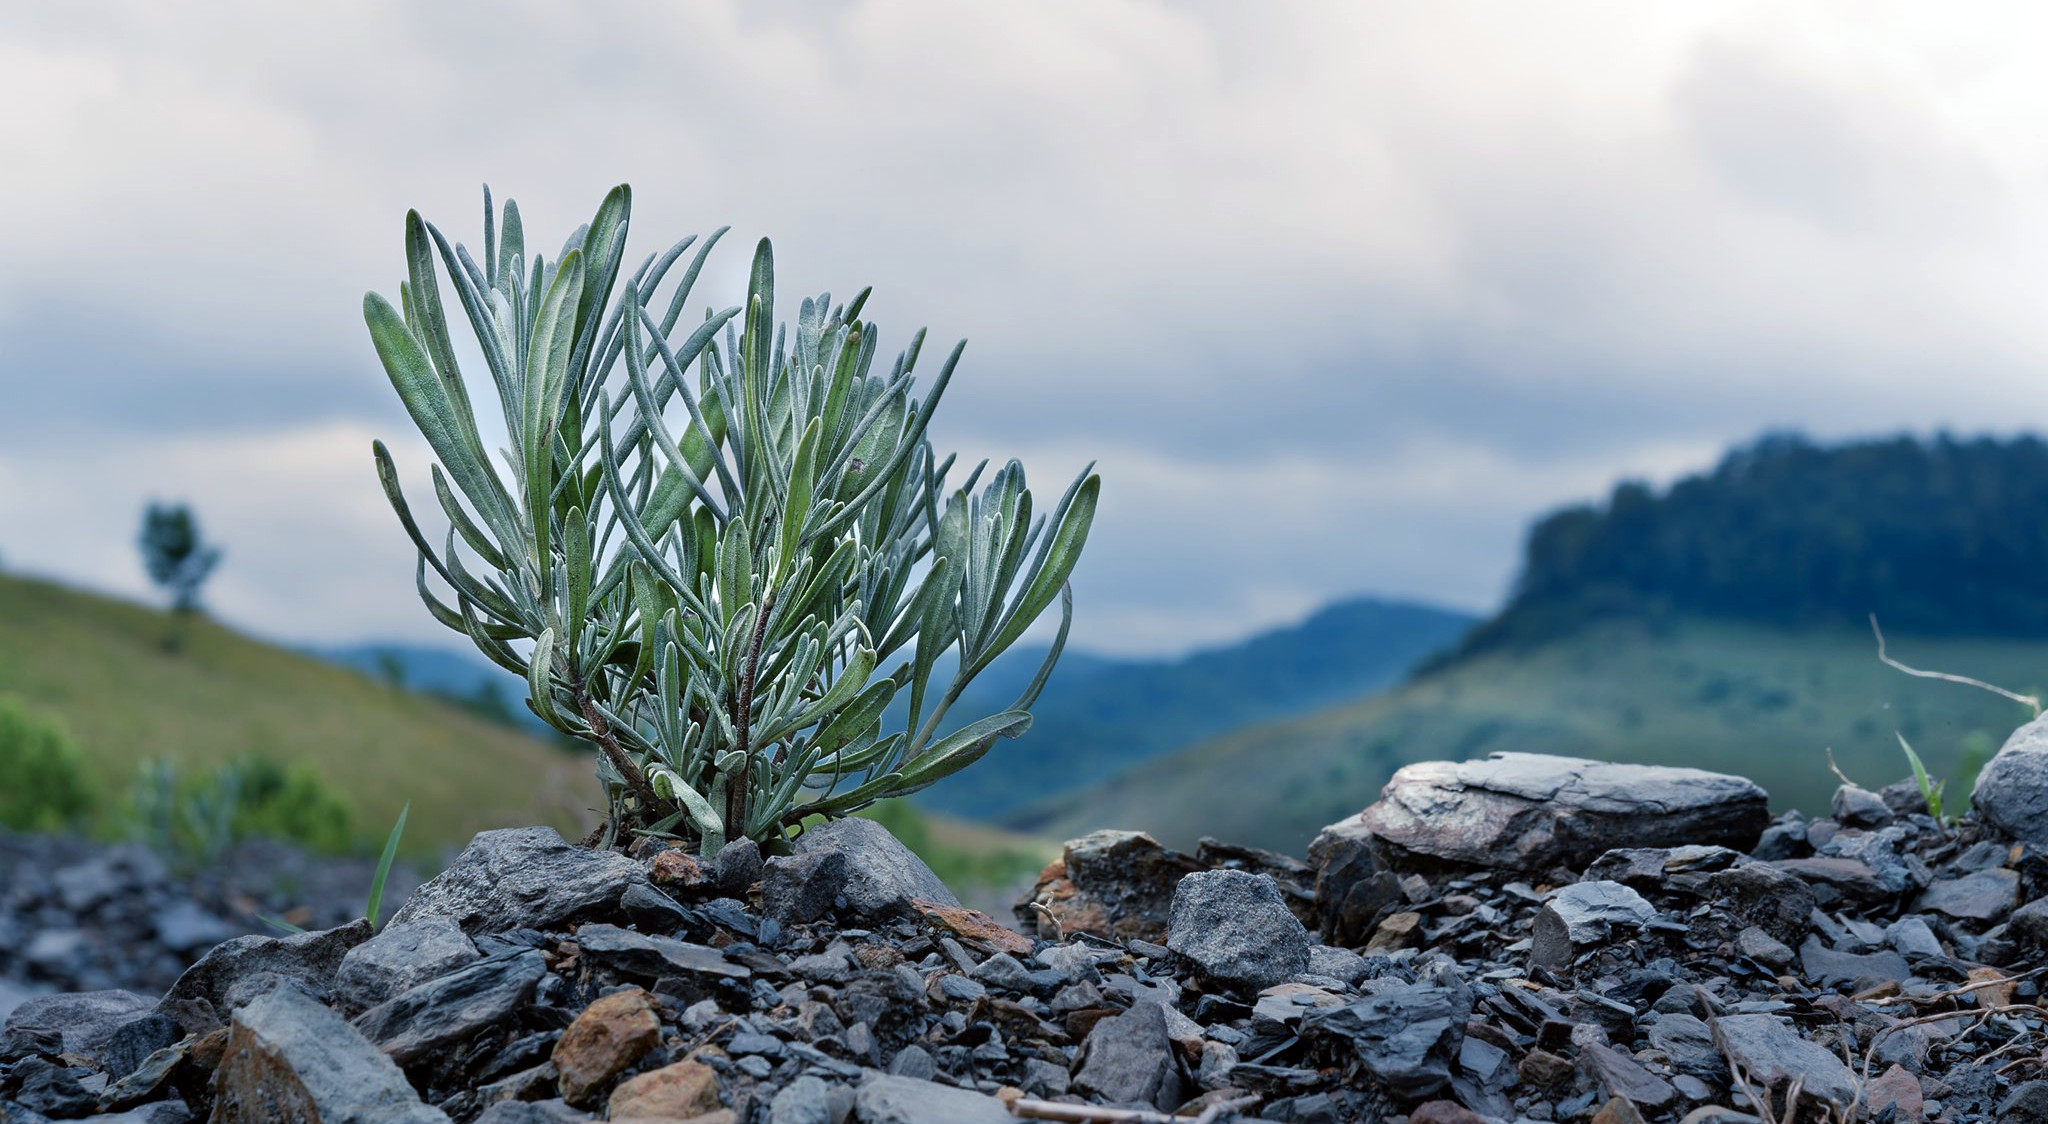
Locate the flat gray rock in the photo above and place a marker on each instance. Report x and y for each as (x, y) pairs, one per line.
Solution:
(450, 1008)
(639, 954)
(1772, 1054)
(883, 877)
(1986, 895)
(400, 958)
(1581, 914)
(236, 971)
(1406, 1037)
(1128, 1059)
(1525, 811)
(2012, 790)
(904, 1100)
(1828, 967)
(290, 1058)
(1236, 929)
(521, 878)
(87, 1020)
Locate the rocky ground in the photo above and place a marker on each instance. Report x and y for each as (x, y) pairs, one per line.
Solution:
(1517, 939)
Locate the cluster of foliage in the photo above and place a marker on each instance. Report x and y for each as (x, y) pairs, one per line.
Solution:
(178, 560)
(701, 557)
(1940, 537)
(194, 817)
(44, 782)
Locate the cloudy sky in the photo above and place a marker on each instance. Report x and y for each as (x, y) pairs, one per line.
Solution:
(1339, 294)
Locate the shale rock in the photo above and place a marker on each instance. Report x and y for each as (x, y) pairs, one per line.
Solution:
(521, 878)
(2012, 789)
(1522, 811)
(84, 1023)
(883, 877)
(290, 1060)
(399, 958)
(452, 1007)
(239, 970)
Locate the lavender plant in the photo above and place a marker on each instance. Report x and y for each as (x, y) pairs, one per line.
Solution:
(709, 539)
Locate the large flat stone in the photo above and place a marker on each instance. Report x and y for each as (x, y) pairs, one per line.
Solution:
(235, 972)
(1524, 811)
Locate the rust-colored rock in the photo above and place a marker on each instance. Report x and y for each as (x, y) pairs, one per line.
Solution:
(1396, 932)
(681, 1091)
(974, 925)
(677, 868)
(1112, 884)
(610, 1035)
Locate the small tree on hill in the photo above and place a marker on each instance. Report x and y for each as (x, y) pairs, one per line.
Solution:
(176, 558)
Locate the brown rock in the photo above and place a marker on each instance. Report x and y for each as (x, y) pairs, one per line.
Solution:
(610, 1035)
(974, 925)
(1994, 988)
(1396, 932)
(673, 1092)
(1898, 1090)
(1444, 1112)
(677, 868)
(1618, 1111)
(1543, 1069)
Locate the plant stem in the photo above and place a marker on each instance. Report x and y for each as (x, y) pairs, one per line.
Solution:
(601, 731)
(736, 797)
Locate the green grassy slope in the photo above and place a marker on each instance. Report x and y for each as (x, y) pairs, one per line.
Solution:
(98, 665)
(1763, 703)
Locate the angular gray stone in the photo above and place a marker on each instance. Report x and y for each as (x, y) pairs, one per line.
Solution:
(1405, 1036)
(2012, 789)
(883, 876)
(1003, 971)
(799, 889)
(1129, 1059)
(521, 878)
(1526, 811)
(1912, 937)
(638, 954)
(1236, 929)
(2030, 922)
(452, 1007)
(289, 1058)
(737, 866)
(1776, 901)
(902, 1100)
(236, 971)
(1855, 806)
(87, 1021)
(1581, 914)
(1763, 948)
(805, 1100)
(1826, 967)
(1340, 964)
(1772, 1054)
(1689, 1043)
(398, 959)
(1986, 895)
(1623, 1076)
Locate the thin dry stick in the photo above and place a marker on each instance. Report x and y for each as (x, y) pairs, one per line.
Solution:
(2023, 700)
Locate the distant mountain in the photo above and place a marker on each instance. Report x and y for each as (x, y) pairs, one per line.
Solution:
(1100, 716)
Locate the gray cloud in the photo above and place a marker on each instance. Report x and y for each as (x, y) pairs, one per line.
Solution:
(1340, 294)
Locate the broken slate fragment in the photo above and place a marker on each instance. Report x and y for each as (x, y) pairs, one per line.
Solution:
(1584, 913)
(1129, 1059)
(452, 1007)
(234, 972)
(290, 1058)
(883, 877)
(649, 957)
(1986, 895)
(887, 1099)
(399, 959)
(521, 878)
(1404, 1036)
(1827, 967)
(1771, 1055)
(1236, 929)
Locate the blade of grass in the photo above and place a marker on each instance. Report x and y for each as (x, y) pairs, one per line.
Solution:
(384, 866)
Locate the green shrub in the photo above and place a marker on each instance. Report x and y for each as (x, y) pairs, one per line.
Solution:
(711, 593)
(44, 784)
(194, 818)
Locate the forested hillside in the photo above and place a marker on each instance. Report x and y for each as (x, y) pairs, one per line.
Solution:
(1945, 537)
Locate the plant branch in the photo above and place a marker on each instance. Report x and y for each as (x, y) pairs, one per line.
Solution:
(2023, 700)
(743, 718)
(601, 733)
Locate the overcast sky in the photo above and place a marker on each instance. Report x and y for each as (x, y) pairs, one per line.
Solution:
(1339, 294)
